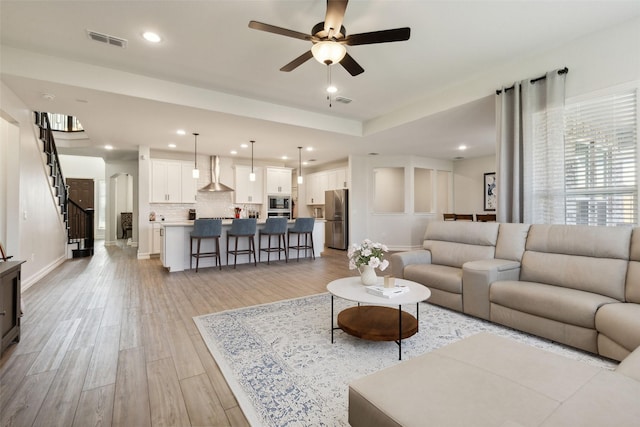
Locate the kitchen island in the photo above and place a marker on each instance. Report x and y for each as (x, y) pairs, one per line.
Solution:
(175, 241)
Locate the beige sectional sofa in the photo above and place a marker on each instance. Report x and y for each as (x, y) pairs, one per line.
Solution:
(576, 285)
(572, 284)
(486, 380)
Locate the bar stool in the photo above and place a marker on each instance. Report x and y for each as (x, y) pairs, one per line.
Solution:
(274, 227)
(245, 227)
(206, 229)
(302, 227)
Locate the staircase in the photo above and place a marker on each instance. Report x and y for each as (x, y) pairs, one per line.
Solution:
(78, 221)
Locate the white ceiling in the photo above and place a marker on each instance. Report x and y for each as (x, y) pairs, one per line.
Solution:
(213, 75)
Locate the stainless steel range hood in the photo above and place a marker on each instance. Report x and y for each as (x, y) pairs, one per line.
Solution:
(215, 184)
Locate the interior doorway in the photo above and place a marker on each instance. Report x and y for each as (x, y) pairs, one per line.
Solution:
(82, 192)
(121, 187)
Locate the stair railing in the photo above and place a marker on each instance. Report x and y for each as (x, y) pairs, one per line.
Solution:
(80, 229)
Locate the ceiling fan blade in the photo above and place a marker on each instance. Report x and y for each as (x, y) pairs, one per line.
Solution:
(351, 65)
(383, 36)
(297, 62)
(335, 15)
(279, 30)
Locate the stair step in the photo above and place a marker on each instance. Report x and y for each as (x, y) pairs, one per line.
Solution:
(82, 253)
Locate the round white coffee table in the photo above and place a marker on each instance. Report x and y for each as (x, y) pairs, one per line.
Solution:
(377, 322)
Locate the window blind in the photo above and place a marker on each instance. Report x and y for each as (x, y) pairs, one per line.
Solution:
(600, 160)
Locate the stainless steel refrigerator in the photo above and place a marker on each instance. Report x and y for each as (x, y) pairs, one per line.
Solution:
(336, 212)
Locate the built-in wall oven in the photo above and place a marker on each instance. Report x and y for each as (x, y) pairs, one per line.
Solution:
(286, 214)
(279, 203)
(279, 206)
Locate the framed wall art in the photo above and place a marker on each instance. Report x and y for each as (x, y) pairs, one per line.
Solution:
(490, 193)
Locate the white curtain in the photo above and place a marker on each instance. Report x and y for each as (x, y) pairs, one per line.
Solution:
(530, 151)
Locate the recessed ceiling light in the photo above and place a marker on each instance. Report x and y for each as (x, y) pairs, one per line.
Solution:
(172, 145)
(309, 148)
(234, 152)
(284, 157)
(181, 132)
(244, 145)
(152, 37)
(305, 163)
(332, 89)
(49, 96)
(108, 147)
(462, 147)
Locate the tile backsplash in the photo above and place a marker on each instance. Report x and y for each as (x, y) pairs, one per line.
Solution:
(208, 205)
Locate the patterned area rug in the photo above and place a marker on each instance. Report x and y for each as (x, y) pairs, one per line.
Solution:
(279, 361)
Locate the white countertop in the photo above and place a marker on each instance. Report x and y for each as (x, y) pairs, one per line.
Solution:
(189, 223)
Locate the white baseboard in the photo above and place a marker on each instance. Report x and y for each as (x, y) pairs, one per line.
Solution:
(26, 284)
(142, 255)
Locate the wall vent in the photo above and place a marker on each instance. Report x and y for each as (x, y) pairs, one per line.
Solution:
(107, 39)
(343, 99)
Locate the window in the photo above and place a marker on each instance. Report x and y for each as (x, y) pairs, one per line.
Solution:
(601, 161)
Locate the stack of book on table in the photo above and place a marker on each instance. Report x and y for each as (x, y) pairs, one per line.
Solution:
(383, 292)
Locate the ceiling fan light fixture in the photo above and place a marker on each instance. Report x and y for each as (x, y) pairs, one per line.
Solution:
(328, 52)
(332, 89)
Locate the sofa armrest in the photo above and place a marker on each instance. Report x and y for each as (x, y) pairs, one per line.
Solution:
(477, 277)
(630, 366)
(400, 260)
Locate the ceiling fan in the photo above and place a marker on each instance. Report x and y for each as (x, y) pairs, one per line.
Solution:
(330, 37)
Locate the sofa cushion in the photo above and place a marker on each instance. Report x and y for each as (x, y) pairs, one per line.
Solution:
(630, 366)
(632, 288)
(552, 302)
(483, 380)
(608, 399)
(603, 276)
(621, 323)
(472, 233)
(456, 254)
(581, 240)
(435, 276)
(511, 241)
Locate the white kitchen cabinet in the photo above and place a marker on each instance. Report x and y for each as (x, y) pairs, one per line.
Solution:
(278, 181)
(317, 184)
(189, 184)
(171, 182)
(248, 191)
(338, 179)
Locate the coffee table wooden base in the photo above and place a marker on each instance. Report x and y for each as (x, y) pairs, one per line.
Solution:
(376, 323)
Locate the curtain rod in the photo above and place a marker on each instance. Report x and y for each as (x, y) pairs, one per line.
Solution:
(564, 70)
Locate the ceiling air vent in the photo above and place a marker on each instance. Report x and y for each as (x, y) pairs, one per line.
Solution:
(343, 99)
(107, 39)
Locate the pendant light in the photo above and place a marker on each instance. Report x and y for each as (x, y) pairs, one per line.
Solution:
(300, 179)
(195, 172)
(252, 175)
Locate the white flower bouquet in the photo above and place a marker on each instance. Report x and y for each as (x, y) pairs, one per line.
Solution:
(367, 253)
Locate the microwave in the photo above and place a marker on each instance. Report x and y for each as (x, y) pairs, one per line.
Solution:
(279, 202)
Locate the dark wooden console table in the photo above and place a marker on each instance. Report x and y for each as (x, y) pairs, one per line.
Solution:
(10, 303)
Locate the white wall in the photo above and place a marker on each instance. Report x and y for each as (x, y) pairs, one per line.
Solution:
(86, 168)
(468, 183)
(399, 231)
(603, 59)
(32, 216)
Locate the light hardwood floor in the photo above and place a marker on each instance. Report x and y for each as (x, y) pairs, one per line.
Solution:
(110, 340)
